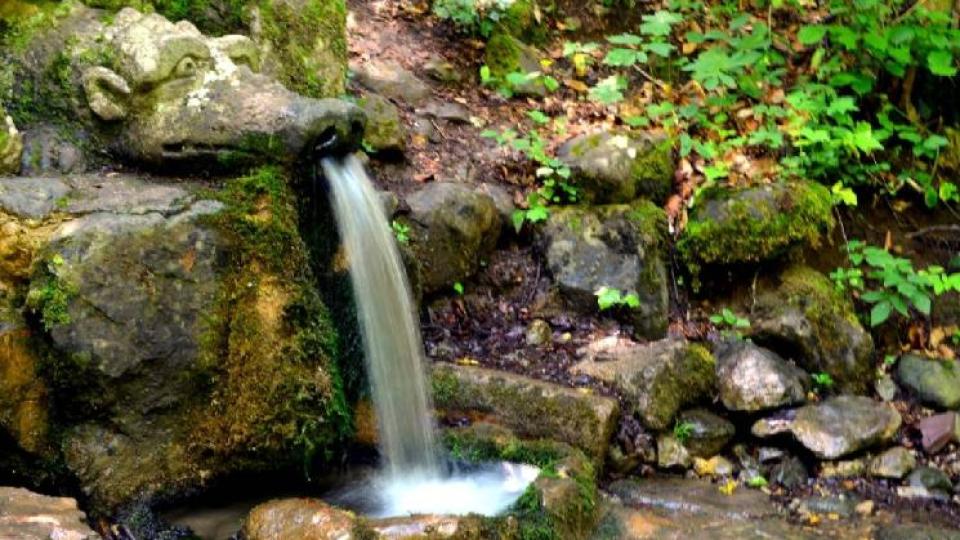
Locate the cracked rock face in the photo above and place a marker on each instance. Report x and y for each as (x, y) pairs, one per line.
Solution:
(836, 427)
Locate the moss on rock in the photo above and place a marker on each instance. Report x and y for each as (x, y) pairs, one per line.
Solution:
(755, 224)
(805, 318)
(529, 407)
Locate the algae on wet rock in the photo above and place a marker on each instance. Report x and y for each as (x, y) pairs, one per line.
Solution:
(806, 319)
(616, 246)
(755, 224)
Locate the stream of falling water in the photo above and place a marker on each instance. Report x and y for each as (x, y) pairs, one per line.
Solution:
(413, 481)
(391, 333)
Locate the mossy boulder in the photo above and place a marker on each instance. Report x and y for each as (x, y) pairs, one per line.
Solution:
(384, 131)
(755, 224)
(616, 246)
(656, 379)
(530, 408)
(453, 228)
(505, 54)
(806, 319)
(178, 334)
(618, 167)
(935, 381)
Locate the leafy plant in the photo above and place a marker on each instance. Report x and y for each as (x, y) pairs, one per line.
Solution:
(554, 175)
(458, 288)
(822, 380)
(682, 431)
(894, 284)
(757, 482)
(401, 232)
(609, 298)
(730, 322)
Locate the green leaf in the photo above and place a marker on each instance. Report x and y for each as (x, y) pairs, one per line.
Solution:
(659, 48)
(607, 297)
(940, 63)
(518, 217)
(608, 91)
(537, 214)
(660, 23)
(624, 57)
(458, 287)
(880, 313)
(808, 35)
(538, 116)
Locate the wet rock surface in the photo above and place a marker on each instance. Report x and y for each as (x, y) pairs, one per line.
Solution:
(894, 463)
(704, 433)
(751, 378)
(384, 130)
(836, 427)
(25, 515)
(392, 80)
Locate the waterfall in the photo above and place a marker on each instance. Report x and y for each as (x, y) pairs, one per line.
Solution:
(391, 334)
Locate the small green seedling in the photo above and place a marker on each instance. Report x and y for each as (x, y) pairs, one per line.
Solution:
(401, 231)
(823, 380)
(608, 298)
(458, 288)
(682, 431)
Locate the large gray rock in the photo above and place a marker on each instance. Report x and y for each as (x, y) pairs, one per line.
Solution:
(161, 343)
(615, 246)
(751, 378)
(528, 407)
(453, 229)
(836, 427)
(657, 379)
(25, 515)
(805, 319)
(618, 167)
(936, 381)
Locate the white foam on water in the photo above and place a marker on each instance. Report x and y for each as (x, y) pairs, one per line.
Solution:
(488, 491)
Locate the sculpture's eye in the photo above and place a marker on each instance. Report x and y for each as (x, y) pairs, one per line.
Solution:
(187, 67)
(245, 58)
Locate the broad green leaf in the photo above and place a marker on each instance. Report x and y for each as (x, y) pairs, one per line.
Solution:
(808, 35)
(608, 91)
(880, 313)
(659, 48)
(538, 116)
(538, 214)
(518, 217)
(940, 63)
(660, 23)
(624, 57)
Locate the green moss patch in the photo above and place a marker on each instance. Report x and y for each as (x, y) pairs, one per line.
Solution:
(756, 224)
